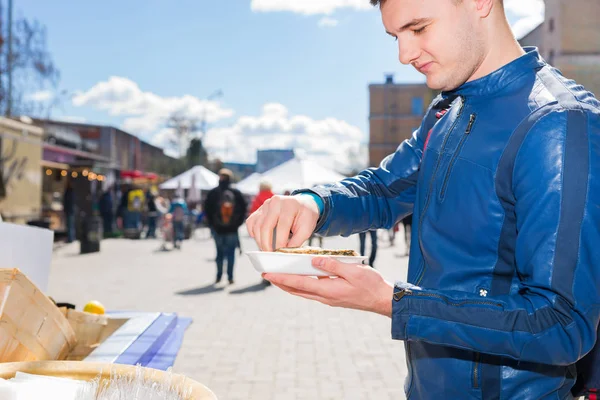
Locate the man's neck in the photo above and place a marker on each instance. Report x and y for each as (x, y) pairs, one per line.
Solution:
(503, 51)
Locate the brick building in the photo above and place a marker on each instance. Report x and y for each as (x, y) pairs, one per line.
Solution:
(396, 111)
(569, 39)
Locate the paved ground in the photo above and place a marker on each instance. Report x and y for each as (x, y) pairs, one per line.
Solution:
(246, 341)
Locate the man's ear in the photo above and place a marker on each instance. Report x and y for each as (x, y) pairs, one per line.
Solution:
(484, 7)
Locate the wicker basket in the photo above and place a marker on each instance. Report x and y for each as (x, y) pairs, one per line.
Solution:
(88, 329)
(31, 326)
(87, 371)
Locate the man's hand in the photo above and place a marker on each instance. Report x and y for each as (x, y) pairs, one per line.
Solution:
(356, 286)
(295, 214)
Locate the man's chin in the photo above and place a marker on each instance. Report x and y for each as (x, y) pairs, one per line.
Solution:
(437, 84)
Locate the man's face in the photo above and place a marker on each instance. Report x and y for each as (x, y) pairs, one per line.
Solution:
(440, 38)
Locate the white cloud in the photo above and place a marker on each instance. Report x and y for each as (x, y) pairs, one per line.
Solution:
(332, 141)
(528, 14)
(309, 7)
(145, 112)
(41, 96)
(328, 22)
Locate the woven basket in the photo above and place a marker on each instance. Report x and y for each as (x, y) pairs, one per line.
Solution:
(88, 329)
(31, 326)
(87, 371)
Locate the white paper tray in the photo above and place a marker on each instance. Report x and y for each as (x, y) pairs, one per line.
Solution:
(297, 264)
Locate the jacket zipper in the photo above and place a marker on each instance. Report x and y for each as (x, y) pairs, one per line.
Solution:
(431, 181)
(476, 371)
(408, 292)
(472, 119)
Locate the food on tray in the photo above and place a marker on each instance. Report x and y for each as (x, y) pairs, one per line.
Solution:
(318, 251)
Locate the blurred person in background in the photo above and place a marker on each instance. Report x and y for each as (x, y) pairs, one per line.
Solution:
(225, 210)
(179, 212)
(106, 210)
(123, 200)
(152, 211)
(363, 244)
(407, 223)
(264, 193)
(69, 209)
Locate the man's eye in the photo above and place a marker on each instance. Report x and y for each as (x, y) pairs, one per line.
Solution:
(419, 31)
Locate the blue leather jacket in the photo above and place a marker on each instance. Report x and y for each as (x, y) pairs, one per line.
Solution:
(503, 178)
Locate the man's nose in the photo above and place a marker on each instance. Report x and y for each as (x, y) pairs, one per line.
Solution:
(408, 51)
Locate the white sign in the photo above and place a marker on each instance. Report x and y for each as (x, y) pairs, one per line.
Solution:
(29, 249)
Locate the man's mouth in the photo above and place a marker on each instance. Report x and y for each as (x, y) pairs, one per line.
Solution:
(424, 68)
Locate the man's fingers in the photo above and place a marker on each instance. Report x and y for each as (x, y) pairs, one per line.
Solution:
(300, 233)
(256, 229)
(267, 225)
(338, 268)
(250, 224)
(301, 283)
(300, 293)
(283, 230)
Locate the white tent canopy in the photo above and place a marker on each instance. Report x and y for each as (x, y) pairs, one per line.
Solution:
(250, 184)
(203, 179)
(296, 173)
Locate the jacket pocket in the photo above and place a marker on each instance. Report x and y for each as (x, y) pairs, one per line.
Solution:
(472, 120)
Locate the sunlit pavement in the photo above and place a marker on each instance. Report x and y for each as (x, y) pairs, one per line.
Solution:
(247, 341)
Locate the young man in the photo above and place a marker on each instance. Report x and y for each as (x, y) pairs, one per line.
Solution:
(503, 180)
(225, 209)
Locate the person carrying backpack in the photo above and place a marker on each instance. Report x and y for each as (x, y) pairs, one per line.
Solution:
(225, 210)
(502, 299)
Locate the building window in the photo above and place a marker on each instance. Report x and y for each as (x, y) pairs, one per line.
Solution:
(551, 25)
(417, 106)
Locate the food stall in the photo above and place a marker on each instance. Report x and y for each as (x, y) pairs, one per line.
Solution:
(20, 175)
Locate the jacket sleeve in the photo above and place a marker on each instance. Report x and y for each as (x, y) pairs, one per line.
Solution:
(551, 316)
(376, 197)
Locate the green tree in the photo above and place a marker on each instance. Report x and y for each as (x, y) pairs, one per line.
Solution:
(196, 153)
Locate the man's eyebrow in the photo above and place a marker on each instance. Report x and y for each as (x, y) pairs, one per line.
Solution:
(414, 22)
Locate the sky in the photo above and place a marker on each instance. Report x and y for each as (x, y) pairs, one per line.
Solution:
(265, 74)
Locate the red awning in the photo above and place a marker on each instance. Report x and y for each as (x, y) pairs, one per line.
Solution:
(137, 174)
(132, 174)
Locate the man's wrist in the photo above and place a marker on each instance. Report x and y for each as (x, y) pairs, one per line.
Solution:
(317, 199)
(385, 304)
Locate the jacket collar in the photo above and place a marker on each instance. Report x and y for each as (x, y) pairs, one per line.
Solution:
(500, 79)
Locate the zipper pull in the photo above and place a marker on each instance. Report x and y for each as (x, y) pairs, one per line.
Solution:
(399, 295)
(471, 122)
